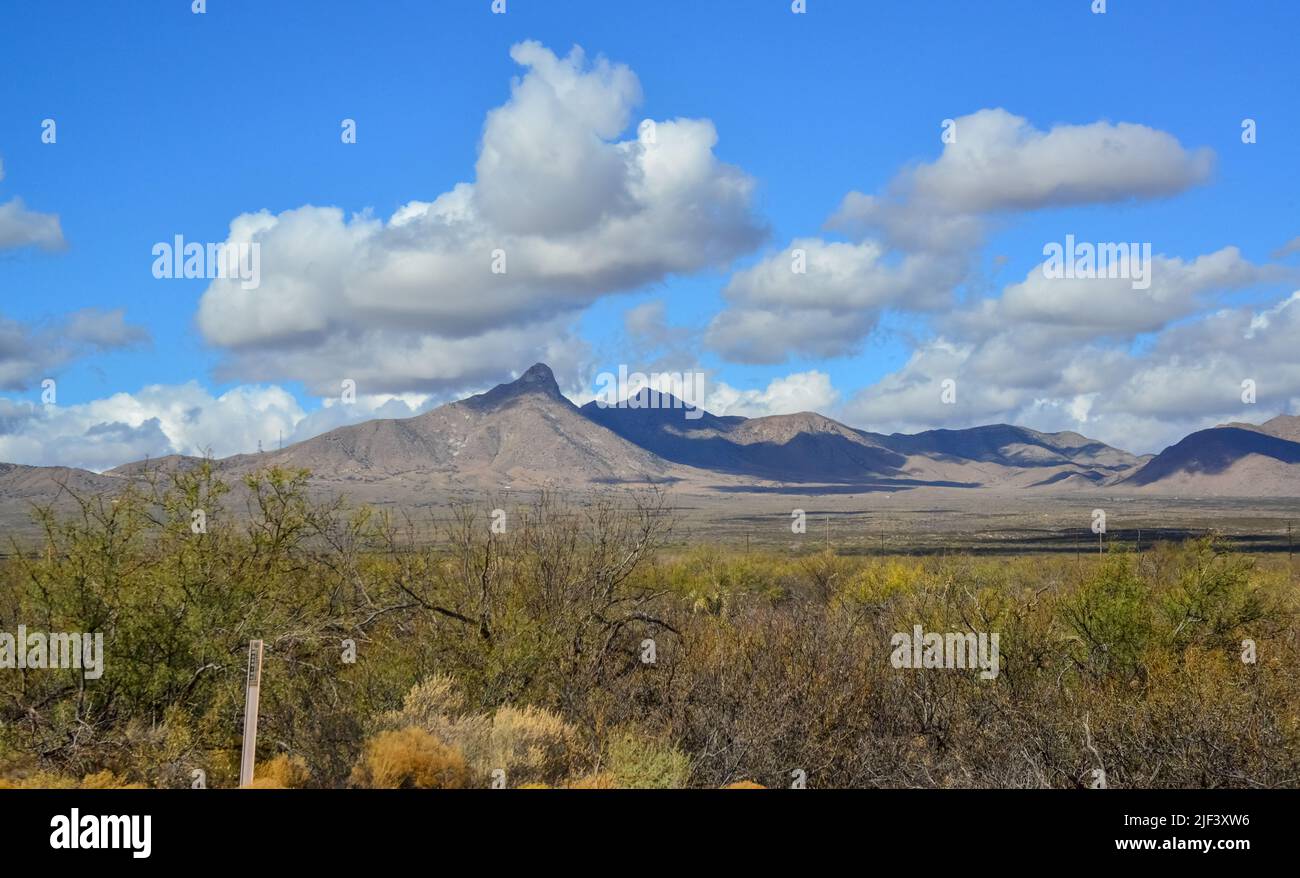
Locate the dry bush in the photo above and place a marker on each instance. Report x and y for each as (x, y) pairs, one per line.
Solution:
(637, 761)
(40, 780)
(284, 772)
(429, 703)
(410, 758)
(531, 745)
(107, 780)
(436, 706)
(44, 780)
(598, 781)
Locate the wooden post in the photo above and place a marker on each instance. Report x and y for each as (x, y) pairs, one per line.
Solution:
(249, 754)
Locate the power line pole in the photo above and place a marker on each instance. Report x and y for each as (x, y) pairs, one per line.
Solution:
(251, 698)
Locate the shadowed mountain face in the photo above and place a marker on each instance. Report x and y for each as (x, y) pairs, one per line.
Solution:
(805, 446)
(1217, 452)
(1007, 445)
(808, 447)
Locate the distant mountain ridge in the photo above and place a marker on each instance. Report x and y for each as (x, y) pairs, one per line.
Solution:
(779, 447)
(1229, 460)
(525, 434)
(519, 433)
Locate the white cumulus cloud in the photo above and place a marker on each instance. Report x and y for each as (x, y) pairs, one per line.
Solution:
(460, 289)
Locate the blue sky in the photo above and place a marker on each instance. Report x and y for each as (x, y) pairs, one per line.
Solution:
(174, 123)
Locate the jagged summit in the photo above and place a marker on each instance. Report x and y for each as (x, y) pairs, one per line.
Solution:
(539, 379)
(538, 375)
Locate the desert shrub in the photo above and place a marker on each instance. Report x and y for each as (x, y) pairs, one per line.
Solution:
(877, 582)
(40, 780)
(107, 780)
(410, 758)
(597, 781)
(284, 772)
(637, 761)
(531, 745)
(1111, 618)
(709, 579)
(430, 702)
(1214, 598)
(825, 572)
(436, 706)
(44, 780)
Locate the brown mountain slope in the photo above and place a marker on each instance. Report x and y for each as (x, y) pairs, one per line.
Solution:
(24, 487)
(1241, 461)
(39, 483)
(521, 434)
(1283, 427)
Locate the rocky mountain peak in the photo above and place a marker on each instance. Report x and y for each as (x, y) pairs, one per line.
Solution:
(539, 379)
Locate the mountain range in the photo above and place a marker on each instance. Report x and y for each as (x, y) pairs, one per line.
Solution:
(526, 434)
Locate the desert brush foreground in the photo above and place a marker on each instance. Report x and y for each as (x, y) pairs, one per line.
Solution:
(580, 642)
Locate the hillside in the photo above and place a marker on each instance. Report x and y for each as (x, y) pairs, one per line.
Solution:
(1228, 460)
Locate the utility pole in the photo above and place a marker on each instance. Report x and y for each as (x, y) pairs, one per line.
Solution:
(249, 754)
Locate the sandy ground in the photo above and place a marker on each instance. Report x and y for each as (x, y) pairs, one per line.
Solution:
(922, 520)
(936, 519)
